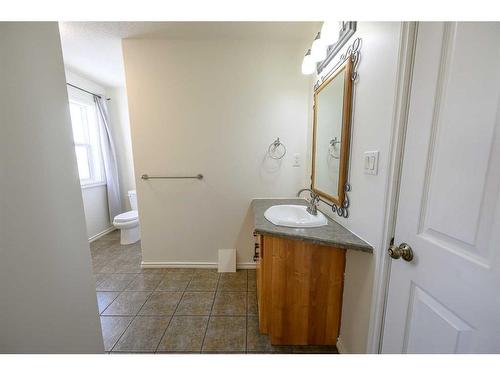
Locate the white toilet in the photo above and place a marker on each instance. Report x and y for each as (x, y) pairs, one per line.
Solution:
(128, 222)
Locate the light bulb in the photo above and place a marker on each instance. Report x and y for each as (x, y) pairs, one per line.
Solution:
(318, 50)
(308, 64)
(330, 32)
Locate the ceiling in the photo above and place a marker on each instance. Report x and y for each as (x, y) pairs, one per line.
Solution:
(93, 49)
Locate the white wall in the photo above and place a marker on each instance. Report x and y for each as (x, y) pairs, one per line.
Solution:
(95, 205)
(120, 128)
(372, 122)
(212, 107)
(48, 302)
(95, 200)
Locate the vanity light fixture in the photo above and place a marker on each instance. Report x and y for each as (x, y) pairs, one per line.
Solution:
(328, 42)
(308, 65)
(330, 32)
(318, 53)
(318, 49)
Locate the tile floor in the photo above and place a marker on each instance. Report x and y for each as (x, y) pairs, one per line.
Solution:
(176, 310)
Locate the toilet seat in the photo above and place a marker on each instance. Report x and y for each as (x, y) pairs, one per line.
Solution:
(127, 217)
(127, 220)
(126, 224)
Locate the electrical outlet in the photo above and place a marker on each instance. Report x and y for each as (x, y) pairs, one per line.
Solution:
(371, 162)
(296, 160)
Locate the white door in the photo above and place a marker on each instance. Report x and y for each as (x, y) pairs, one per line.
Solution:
(447, 299)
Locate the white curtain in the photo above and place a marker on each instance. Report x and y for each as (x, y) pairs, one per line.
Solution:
(109, 158)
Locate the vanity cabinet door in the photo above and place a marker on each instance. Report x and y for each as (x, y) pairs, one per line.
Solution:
(259, 260)
(299, 287)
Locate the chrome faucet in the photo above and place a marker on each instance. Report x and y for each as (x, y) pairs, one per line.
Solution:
(312, 203)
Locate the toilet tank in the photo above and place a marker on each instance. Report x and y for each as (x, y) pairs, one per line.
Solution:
(132, 197)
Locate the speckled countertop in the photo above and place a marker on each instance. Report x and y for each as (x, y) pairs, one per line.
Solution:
(332, 234)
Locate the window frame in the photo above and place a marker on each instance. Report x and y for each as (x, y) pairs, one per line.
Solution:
(95, 162)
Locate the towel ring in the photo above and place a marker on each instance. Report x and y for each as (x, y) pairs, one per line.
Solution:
(273, 147)
(332, 147)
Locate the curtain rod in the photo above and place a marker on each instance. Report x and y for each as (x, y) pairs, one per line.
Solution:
(88, 92)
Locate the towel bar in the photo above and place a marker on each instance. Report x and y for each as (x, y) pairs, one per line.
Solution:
(148, 177)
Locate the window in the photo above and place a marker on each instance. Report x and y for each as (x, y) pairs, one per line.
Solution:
(86, 138)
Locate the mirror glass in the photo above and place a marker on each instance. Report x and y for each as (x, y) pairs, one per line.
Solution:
(332, 106)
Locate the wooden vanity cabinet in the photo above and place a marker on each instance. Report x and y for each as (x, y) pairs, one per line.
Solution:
(299, 290)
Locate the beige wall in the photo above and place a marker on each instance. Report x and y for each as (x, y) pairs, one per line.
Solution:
(372, 122)
(227, 101)
(212, 107)
(48, 302)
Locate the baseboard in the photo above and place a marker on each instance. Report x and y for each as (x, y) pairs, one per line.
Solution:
(341, 347)
(246, 266)
(241, 266)
(103, 233)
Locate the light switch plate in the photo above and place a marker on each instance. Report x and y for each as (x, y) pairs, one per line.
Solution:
(296, 160)
(370, 162)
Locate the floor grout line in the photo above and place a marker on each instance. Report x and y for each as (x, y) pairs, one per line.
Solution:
(126, 286)
(125, 330)
(100, 314)
(179, 315)
(135, 316)
(210, 314)
(173, 314)
(246, 318)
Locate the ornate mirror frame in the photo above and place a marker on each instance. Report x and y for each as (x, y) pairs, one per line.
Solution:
(345, 68)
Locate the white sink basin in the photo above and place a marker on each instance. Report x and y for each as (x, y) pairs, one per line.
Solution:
(290, 215)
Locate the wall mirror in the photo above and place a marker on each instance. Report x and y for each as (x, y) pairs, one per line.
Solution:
(331, 134)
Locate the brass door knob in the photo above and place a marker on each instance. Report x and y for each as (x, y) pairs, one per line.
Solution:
(402, 251)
